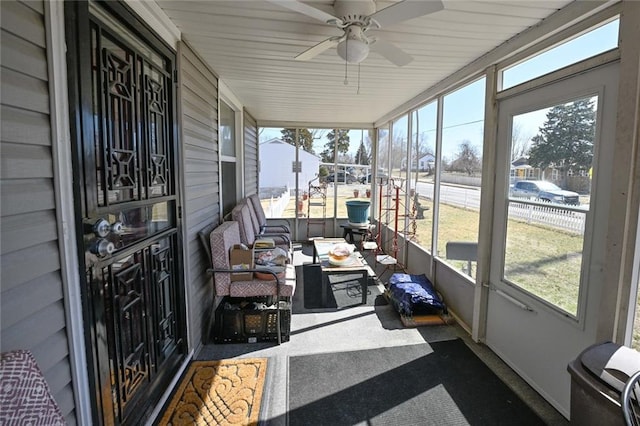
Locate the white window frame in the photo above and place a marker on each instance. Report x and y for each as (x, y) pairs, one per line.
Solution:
(228, 97)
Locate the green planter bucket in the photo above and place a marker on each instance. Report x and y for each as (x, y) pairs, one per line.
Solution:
(358, 212)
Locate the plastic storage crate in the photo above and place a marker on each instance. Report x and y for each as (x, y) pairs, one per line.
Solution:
(250, 322)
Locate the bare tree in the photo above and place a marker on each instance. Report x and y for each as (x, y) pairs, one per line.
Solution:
(468, 159)
(520, 141)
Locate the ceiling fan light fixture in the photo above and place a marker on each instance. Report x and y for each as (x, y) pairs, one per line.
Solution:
(353, 50)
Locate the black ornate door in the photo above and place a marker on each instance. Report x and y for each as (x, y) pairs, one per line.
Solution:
(127, 156)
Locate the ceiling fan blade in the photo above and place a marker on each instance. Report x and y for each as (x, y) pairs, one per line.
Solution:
(391, 52)
(305, 9)
(404, 10)
(318, 48)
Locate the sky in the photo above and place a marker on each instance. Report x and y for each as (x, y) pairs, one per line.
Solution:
(463, 112)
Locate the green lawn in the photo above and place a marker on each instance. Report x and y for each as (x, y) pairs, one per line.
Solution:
(541, 260)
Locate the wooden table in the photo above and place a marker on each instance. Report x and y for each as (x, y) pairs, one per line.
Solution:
(355, 266)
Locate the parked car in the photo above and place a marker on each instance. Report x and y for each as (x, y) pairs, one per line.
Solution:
(544, 191)
(367, 178)
(341, 178)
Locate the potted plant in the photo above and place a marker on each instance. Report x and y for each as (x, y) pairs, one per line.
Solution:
(368, 192)
(356, 193)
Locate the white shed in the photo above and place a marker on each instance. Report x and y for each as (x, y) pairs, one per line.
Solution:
(275, 151)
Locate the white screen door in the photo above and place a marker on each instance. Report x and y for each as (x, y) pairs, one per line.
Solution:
(553, 172)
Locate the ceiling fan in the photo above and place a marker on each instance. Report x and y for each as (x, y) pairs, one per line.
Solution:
(355, 18)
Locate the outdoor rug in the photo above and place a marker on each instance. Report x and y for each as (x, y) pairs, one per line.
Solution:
(218, 392)
(339, 296)
(442, 383)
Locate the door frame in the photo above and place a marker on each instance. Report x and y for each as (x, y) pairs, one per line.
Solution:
(54, 12)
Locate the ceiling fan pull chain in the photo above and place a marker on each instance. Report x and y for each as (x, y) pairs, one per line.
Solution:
(358, 91)
(346, 81)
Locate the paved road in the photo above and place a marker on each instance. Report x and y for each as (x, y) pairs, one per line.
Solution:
(461, 196)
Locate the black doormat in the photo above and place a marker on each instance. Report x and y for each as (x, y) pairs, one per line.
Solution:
(341, 295)
(407, 385)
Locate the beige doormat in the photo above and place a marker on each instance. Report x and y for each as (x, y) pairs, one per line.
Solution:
(226, 392)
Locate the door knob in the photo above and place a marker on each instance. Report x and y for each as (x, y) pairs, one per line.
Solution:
(102, 247)
(117, 228)
(101, 228)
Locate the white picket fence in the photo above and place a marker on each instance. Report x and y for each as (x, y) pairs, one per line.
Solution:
(276, 205)
(458, 179)
(568, 219)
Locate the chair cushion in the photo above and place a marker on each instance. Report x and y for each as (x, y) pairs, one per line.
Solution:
(240, 214)
(25, 397)
(257, 208)
(254, 217)
(286, 236)
(221, 240)
(257, 287)
(281, 227)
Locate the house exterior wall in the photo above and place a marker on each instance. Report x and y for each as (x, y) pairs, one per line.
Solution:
(32, 303)
(200, 165)
(276, 159)
(250, 154)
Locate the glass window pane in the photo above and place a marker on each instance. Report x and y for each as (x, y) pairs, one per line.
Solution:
(461, 173)
(383, 151)
(399, 140)
(353, 168)
(227, 130)
(320, 202)
(548, 201)
(424, 121)
(590, 44)
(382, 165)
(228, 178)
(277, 179)
(395, 192)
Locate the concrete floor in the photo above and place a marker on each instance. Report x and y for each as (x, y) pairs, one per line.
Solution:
(356, 328)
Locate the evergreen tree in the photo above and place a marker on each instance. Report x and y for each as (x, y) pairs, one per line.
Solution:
(339, 136)
(565, 140)
(305, 138)
(362, 156)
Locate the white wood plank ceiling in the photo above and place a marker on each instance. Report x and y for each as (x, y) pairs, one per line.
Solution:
(251, 45)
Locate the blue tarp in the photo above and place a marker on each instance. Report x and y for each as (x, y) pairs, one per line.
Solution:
(414, 294)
